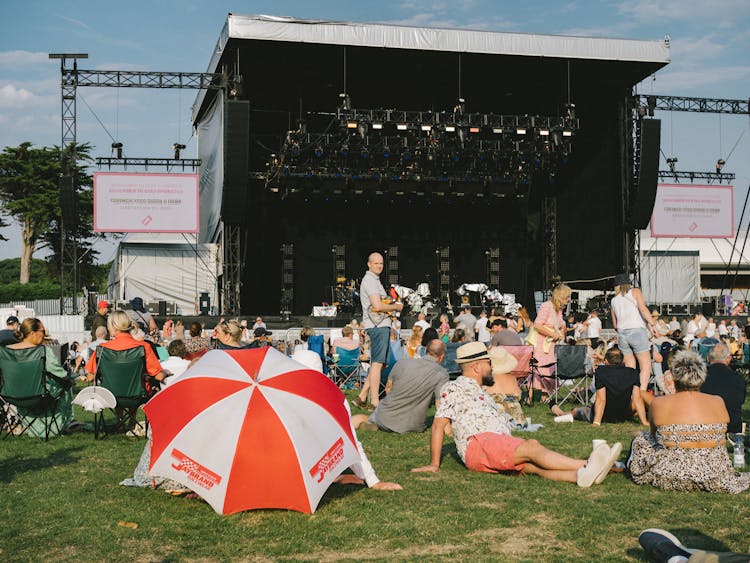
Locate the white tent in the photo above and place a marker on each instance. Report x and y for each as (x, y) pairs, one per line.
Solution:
(165, 267)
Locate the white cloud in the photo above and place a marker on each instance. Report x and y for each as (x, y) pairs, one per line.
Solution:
(696, 48)
(14, 97)
(74, 21)
(682, 80)
(21, 59)
(721, 13)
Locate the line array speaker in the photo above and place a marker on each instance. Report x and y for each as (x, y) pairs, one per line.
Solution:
(234, 198)
(648, 175)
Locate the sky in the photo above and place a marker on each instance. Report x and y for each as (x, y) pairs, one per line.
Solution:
(709, 42)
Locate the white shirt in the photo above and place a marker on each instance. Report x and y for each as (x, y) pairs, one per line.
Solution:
(711, 330)
(626, 312)
(595, 327)
(723, 329)
(483, 335)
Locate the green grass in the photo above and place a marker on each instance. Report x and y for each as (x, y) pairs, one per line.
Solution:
(61, 501)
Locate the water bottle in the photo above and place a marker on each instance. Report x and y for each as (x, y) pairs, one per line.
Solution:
(739, 451)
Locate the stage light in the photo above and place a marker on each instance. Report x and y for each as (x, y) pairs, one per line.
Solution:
(520, 131)
(177, 147)
(377, 125)
(450, 129)
(401, 127)
(719, 165)
(318, 152)
(497, 130)
(544, 132)
(117, 147)
(364, 153)
(473, 129)
(345, 101)
(344, 151)
(567, 133)
(386, 152)
(671, 163)
(351, 124)
(426, 127)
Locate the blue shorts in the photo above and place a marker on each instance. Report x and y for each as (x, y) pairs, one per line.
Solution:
(633, 340)
(380, 344)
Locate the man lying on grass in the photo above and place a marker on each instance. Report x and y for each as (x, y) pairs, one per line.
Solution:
(482, 433)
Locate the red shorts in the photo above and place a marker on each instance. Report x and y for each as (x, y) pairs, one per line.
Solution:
(491, 453)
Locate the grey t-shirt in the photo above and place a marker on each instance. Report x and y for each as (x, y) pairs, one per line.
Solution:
(371, 286)
(415, 383)
(506, 337)
(468, 320)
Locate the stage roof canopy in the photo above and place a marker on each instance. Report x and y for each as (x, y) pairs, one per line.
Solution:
(651, 55)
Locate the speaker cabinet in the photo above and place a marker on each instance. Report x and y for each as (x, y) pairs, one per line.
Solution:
(234, 198)
(648, 176)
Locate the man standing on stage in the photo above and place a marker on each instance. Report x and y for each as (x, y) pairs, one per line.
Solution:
(376, 309)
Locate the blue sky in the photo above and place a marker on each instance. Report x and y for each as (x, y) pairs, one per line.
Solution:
(710, 42)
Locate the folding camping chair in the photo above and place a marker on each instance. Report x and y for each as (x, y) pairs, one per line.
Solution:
(123, 373)
(347, 371)
(315, 343)
(572, 379)
(23, 385)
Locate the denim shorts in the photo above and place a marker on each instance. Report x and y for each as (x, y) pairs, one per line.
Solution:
(380, 344)
(633, 340)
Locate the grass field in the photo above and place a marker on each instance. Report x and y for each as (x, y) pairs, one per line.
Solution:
(61, 501)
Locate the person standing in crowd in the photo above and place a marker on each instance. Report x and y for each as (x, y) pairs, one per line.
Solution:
(99, 318)
(632, 320)
(550, 330)
(8, 334)
(593, 328)
(422, 321)
(376, 319)
(141, 317)
(482, 329)
(468, 321)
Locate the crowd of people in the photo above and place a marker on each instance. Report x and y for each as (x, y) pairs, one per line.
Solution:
(676, 379)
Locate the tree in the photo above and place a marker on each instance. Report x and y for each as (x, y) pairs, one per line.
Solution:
(30, 193)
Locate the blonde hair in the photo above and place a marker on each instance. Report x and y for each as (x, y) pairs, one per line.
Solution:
(232, 328)
(118, 321)
(559, 294)
(622, 289)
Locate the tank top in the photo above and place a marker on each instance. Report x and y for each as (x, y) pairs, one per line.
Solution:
(626, 312)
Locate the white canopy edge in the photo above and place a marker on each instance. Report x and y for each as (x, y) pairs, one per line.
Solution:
(274, 28)
(389, 36)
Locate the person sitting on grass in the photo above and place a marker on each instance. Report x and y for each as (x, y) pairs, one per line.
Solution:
(685, 448)
(618, 394)
(482, 433)
(505, 390)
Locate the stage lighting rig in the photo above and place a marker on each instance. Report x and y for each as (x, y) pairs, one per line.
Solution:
(117, 147)
(177, 147)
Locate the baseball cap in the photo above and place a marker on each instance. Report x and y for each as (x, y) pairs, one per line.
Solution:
(260, 331)
(102, 305)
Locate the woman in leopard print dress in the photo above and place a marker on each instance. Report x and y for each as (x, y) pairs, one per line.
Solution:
(685, 448)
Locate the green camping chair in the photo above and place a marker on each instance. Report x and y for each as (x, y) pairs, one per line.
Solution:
(122, 372)
(23, 384)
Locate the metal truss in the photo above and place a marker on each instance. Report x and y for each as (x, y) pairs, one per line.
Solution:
(710, 177)
(232, 280)
(653, 102)
(549, 220)
(146, 79)
(168, 163)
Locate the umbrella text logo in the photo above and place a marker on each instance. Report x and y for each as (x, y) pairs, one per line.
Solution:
(329, 460)
(195, 471)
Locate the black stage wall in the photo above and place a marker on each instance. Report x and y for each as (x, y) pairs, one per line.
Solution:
(284, 81)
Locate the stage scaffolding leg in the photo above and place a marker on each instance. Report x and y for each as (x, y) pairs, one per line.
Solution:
(232, 279)
(549, 220)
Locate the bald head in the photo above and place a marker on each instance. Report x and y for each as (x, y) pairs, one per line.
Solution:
(375, 263)
(435, 348)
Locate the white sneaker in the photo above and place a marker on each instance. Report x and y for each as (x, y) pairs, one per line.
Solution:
(596, 463)
(614, 454)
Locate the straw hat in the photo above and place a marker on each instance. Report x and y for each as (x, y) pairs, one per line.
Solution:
(471, 352)
(502, 361)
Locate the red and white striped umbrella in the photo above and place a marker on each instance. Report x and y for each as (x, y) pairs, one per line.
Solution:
(251, 429)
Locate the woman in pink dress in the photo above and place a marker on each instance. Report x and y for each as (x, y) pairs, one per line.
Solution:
(550, 329)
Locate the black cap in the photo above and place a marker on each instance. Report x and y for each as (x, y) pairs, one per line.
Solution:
(622, 279)
(260, 331)
(12, 320)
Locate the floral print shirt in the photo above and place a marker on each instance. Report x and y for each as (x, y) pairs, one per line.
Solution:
(471, 411)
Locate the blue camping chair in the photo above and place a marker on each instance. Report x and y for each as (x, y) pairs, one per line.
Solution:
(315, 343)
(449, 361)
(346, 372)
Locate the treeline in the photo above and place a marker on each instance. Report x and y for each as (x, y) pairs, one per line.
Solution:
(44, 282)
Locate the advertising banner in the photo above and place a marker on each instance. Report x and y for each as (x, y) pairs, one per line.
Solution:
(145, 203)
(696, 211)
